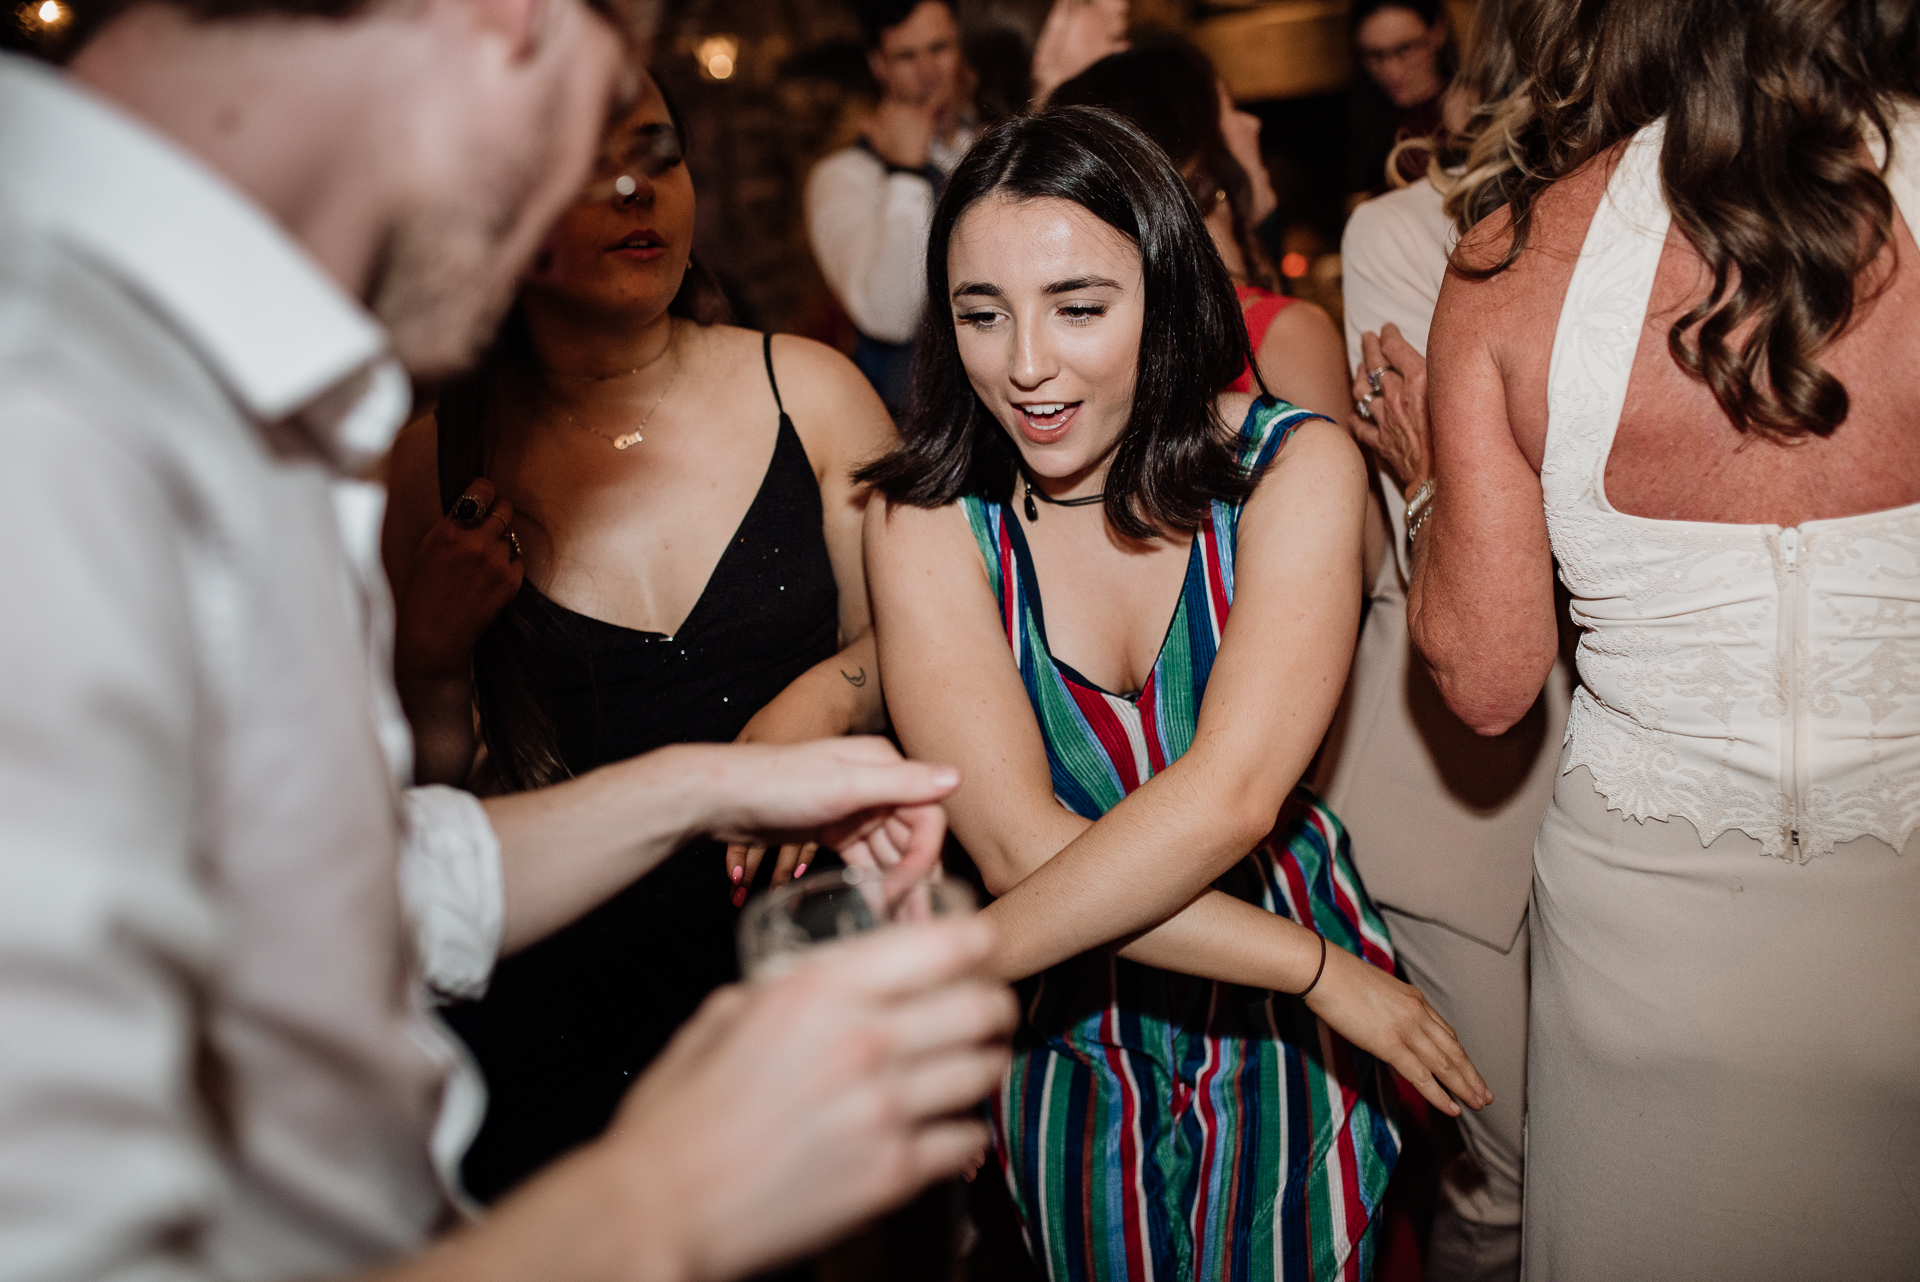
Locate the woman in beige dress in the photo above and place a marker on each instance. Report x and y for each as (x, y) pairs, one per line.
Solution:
(1683, 373)
(1442, 819)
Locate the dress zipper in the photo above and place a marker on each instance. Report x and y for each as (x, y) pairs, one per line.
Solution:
(1790, 618)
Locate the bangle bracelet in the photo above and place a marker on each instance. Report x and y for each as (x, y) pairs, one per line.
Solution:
(1316, 974)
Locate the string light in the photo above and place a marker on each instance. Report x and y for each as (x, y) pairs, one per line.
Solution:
(718, 57)
(43, 17)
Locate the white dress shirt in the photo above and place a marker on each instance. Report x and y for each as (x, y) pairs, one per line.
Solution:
(868, 226)
(218, 901)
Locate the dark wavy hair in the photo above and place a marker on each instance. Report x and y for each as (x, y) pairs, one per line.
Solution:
(1767, 104)
(1167, 86)
(523, 745)
(1175, 456)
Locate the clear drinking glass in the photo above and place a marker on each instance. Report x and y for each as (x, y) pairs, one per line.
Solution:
(782, 923)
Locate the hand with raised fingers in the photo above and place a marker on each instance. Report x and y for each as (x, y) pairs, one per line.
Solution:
(1390, 406)
(790, 1110)
(1394, 1022)
(1076, 34)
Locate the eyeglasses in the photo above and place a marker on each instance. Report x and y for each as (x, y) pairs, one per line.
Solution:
(1397, 53)
(653, 151)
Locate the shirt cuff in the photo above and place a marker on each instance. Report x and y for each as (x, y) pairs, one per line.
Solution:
(451, 887)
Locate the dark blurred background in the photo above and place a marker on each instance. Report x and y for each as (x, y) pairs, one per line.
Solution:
(770, 86)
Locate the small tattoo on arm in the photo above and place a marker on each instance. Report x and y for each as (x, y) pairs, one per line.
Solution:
(855, 679)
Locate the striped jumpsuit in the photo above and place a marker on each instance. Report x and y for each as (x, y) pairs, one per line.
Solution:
(1156, 1125)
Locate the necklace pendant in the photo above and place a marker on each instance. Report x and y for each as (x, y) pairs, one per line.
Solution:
(622, 442)
(1033, 513)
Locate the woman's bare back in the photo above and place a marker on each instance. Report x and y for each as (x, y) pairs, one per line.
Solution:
(1676, 456)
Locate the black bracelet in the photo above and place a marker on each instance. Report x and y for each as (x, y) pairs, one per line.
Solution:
(1316, 974)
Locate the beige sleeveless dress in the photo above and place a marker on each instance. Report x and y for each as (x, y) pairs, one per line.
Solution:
(1724, 1059)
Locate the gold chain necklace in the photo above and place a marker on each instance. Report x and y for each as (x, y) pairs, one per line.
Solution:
(628, 439)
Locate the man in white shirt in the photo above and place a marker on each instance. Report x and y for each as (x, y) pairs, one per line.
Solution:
(225, 237)
(869, 205)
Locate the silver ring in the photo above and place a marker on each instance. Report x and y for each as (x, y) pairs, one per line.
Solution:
(513, 541)
(1362, 407)
(1373, 378)
(493, 514)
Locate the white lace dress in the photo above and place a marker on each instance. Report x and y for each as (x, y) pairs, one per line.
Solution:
(1724, 1063)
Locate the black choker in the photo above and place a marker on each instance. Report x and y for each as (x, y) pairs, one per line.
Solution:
(1033, 513)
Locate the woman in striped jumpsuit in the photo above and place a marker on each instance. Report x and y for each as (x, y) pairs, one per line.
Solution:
(1129, 784)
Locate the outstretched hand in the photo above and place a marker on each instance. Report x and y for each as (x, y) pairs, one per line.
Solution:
(1393, 421)
(1393, 1022)
(856, 795)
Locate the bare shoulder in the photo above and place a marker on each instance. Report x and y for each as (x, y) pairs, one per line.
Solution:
(1319, 452)
(834, 408)
(910, 531)
(1300, 321)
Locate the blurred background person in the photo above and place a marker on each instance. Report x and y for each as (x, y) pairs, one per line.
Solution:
(1443, 820)
(1673, 369)
(681, 490)
(868, 205)
(1168, 88)
(1204, 974)
(1406, 56)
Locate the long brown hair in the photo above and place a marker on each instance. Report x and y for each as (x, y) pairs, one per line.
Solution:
(1767, 104)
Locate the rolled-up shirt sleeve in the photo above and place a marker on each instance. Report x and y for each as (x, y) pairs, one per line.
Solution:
(868, 228)
(108, 928)
(451, 886)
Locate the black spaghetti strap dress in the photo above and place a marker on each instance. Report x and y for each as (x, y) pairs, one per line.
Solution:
(568, 1023)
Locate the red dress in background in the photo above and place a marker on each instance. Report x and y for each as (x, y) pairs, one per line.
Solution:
(1260, 306)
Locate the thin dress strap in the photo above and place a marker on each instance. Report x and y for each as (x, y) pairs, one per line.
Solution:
(766, 348)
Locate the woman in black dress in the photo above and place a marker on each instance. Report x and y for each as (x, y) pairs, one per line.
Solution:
(674, 556)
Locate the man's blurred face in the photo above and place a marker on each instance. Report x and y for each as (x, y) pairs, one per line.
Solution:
(918, 62)
(501, 147)
(1402, 54)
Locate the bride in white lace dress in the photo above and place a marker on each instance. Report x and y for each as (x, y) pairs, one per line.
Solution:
(1724, 1065)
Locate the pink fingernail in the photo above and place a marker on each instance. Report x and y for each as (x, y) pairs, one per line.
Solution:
(799, 871)
(739, 896)
(739, 871)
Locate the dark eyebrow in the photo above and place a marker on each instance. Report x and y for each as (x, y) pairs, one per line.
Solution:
(977, 289)
(1079, 283)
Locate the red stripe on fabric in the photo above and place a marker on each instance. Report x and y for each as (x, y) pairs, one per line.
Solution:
(1092, 1172)
(1343, 898)
(1211, 1128)
(1106, 727)
(1150, 723)
(1356, 1217)
(1133, 1230)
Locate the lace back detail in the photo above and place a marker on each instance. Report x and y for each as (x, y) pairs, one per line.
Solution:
(1736, 676)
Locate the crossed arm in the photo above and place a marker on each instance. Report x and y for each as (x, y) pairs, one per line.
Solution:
(1138, 879)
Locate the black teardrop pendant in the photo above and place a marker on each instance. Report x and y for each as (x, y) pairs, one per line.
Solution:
(1033, 512)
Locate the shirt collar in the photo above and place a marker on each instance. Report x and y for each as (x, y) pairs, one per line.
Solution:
(279, 333)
